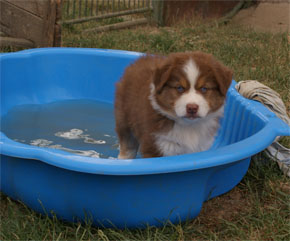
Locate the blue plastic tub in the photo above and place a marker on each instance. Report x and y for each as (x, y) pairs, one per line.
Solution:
(125, 193)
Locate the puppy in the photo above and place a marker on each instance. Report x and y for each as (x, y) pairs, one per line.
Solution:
(170, 105)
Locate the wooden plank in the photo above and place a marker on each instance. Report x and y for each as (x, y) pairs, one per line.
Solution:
(57, 27)
(158, 12)
(16, 42)
(36, 7)
(115, 26)
(16, 22)
(49, 21)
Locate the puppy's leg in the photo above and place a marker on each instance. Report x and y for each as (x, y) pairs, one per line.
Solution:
(128, 144)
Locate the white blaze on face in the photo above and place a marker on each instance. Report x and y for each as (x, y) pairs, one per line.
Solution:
(192, 96)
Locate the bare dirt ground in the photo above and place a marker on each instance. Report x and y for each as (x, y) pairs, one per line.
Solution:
(269, 16)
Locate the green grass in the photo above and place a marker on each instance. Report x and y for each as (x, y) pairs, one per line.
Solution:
(256, 209)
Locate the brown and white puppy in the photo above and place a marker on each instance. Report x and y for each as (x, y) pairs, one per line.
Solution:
(170, 105)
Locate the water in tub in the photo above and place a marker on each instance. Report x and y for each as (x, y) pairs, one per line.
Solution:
(83, 127)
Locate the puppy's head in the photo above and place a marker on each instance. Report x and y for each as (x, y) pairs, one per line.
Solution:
(189, 86)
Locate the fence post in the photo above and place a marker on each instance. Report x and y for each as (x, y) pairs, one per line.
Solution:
(158, 11)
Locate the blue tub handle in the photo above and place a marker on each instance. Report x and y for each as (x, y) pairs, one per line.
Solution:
(282, 128)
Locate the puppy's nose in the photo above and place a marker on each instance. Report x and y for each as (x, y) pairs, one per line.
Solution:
(192, 109)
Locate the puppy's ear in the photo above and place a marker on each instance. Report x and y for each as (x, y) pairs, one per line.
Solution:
(161, 75)
(223, 77)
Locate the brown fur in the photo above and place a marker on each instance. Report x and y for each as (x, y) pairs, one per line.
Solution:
(136, 120)
(135, 117)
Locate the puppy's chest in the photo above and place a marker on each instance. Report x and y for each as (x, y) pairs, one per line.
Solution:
(186, 139)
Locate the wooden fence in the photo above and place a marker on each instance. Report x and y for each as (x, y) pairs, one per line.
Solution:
(82, 11)
(37, 23)
(30, 23)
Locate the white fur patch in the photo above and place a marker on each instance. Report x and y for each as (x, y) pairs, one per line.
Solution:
(195, 137)
(192, 96)
(191, 71)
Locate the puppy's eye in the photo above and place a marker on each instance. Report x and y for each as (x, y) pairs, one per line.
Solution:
(180, 89)
(203, 89)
